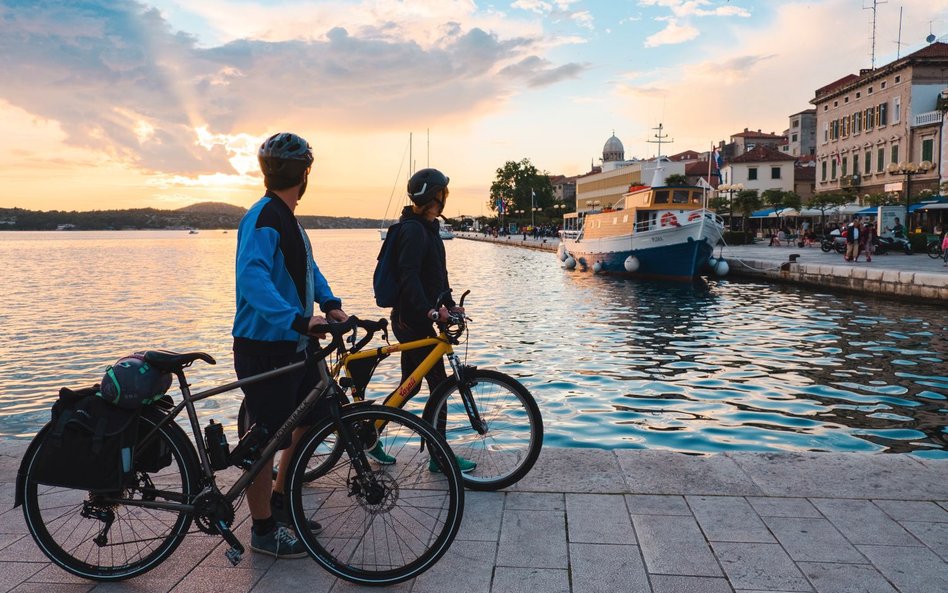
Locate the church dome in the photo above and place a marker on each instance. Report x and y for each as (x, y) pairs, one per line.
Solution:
(613, 150)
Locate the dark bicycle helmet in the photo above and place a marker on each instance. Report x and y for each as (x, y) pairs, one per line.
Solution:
(132, 383)
(424, 186)
(284, 159)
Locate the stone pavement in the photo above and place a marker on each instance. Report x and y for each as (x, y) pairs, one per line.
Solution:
(590, 521)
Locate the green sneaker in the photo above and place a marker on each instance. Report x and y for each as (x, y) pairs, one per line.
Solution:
(465, 465)
(378, 454)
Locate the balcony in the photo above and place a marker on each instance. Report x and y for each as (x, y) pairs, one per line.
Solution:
(849, 181)
(927, 118)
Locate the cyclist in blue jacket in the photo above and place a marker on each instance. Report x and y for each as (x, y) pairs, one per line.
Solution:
(278, 283)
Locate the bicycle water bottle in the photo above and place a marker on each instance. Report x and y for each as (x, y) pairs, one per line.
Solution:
(217, 448)
(245, 453)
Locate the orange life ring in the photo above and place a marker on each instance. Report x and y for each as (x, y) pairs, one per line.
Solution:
(694, 216)
(669, 219)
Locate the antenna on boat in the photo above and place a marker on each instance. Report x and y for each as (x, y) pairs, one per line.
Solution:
(660, 139)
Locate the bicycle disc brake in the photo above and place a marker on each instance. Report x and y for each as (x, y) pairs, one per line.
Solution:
(377, 492)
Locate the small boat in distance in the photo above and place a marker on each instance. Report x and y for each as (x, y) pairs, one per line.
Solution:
(658, 232)
(192, 231)
(445, 230)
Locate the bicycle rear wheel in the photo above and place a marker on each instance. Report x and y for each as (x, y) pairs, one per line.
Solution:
(391, 524)
(514, 436)
(94, 537)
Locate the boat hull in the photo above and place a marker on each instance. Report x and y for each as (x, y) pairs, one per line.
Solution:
(680, 253)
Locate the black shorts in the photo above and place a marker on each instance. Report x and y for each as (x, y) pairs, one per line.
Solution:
(271, 402)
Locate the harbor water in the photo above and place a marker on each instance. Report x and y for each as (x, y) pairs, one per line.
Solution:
(718, 366)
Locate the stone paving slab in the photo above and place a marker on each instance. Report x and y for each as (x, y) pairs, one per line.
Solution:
(617, 521)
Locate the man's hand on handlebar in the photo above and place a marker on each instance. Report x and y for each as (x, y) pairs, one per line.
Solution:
(318, 320)
(337, 315)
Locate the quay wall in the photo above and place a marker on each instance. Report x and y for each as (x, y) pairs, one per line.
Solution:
(885, 277)
(913, 285)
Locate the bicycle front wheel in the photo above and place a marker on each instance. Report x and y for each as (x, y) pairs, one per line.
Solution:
(514, 427)
(934, 250)
(386, 525)
(96, 536)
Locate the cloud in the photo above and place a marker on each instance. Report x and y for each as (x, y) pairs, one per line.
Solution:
(119, 80)
(672, 33)
(686, 8)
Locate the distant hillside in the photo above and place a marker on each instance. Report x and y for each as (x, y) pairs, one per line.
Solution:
(214, 208)
(206, 215)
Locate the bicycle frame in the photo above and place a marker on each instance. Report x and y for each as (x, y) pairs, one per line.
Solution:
(324, 388)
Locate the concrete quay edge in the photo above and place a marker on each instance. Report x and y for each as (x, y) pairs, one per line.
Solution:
(591, 520)
(916, 277)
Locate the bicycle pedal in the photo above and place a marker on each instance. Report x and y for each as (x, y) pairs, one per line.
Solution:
(234, 556)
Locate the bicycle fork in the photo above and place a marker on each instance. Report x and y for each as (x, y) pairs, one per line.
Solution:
(464, 387)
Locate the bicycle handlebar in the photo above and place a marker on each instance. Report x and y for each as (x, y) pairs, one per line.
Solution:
(337, 331)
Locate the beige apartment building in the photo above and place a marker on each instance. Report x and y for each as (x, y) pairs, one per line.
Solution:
(888, 115)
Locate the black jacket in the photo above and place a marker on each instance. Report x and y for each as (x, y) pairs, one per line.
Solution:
(422, 270)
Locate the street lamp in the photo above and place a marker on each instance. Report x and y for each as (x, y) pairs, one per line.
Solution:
(730, 189)
(908, 169)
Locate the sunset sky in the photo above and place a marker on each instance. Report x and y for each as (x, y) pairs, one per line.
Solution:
(163, 103)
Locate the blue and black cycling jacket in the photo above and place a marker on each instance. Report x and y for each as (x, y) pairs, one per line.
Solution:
(277, 281)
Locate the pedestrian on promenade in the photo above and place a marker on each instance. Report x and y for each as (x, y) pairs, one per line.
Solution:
(852, 239)
(866, 234)
(422, 276)
(278, 283)
(944, 248)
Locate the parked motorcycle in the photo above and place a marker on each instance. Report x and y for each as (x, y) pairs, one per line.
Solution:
(831, 242)
(888, 243)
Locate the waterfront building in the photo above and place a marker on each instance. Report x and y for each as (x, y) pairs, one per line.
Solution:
(801, 135)
(747, 140)
(761, 168)
(564, 188)
(804, 177)
(881, 116)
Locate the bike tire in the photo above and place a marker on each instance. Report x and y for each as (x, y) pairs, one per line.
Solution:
(840, 248)
(375, 537)
(514, 435)
(826, 247)
(934, 251)
(140, 538)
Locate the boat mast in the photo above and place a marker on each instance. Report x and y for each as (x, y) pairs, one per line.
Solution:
(660, 139)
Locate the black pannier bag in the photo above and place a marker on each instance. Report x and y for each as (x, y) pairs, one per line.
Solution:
(155, 455)
(89, 443)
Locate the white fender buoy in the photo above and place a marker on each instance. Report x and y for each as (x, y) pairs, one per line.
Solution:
(561, 252)
(722, 268)
(569, 262)
(712, 262)
(582, 261)
(597, 267)
(631, 263)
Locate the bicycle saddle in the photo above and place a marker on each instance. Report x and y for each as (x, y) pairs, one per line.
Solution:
(172, 361)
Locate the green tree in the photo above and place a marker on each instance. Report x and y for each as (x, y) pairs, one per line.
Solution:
(826, 201)
(516, 184)
(719, 204)
(676, 180)
(883, 199)
(745, 202)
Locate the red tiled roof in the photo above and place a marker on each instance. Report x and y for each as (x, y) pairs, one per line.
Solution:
(804, 173)
(688, 155)
(750, 134)
(697, 168)
(762, 154)
(836, 84)
(933, 50)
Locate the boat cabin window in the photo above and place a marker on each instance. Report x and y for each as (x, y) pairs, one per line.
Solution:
(661, 196)
(680, 196)
(695, 198)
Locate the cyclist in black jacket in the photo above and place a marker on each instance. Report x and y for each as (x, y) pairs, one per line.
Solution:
(422, 277)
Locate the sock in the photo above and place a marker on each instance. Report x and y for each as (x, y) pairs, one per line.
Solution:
(276, 500)
(263, 526)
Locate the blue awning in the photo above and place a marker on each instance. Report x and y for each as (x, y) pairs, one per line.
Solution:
(927, 203)
(872, 211)
(765, 213)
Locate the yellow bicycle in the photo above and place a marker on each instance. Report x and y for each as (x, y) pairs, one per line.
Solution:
(487, 417)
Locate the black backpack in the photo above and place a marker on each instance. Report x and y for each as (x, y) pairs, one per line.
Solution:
(385, 277)
(89, 444)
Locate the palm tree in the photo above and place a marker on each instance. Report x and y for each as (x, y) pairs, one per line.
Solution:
(676, 180)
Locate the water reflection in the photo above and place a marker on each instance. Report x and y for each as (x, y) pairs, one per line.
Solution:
(614, 363)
